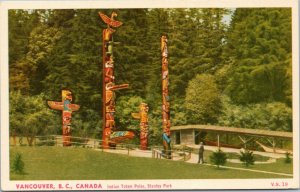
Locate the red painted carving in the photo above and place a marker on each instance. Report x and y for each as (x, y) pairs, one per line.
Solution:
(144, 127)
(67, 108)
(110, 136)
(165, 98)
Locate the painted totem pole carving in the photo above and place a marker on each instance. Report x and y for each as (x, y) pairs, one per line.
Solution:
(67, 108)
(166, 98)
(144, 127)
(109, 87)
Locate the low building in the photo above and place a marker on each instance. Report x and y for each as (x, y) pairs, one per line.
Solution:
(223, 136)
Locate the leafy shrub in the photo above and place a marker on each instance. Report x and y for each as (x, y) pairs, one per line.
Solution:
(247, 158)
(287, 158)
(18, 164)
(218, 158)
(202, 99)
(274, 116)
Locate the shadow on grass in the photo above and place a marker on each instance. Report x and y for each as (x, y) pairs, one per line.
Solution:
(220, 168)
(22, 173)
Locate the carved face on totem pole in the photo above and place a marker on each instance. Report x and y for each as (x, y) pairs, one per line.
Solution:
(110, 98)
(109, 71)
(110, 122)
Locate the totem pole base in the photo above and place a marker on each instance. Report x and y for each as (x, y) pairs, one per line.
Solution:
(66, 141)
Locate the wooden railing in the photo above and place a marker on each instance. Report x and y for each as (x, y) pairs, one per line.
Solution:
(178, 155)
(157, 151)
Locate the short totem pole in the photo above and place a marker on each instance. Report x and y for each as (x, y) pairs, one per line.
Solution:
(143, 117)
(165, 98)
(67, 108)
(109, 87)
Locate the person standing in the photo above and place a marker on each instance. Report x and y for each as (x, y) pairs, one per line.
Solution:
(201, 152)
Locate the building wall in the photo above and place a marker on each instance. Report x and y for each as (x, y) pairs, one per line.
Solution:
(186, 137)
(173, 137)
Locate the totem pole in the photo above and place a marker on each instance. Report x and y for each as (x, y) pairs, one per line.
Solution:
(143, 117)
(67, 108)
(109, 87)
(166, 98)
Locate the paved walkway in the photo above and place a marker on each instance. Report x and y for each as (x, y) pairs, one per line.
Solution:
(134, 152)
(232, 150)
(194, 157)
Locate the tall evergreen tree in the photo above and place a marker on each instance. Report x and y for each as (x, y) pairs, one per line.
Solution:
(131, 54)
(259, 42)
(20, 23)
(157, 20)
(197, 36)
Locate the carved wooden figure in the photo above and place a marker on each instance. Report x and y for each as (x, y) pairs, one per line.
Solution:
(144, 127)
(165, 98)
(67, 108)
(110, 136)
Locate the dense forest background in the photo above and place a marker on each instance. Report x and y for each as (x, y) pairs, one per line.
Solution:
(233, 72)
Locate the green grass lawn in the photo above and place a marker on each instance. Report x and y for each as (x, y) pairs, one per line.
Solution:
(58, 163)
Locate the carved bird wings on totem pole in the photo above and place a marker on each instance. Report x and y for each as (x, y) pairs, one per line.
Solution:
(111, 22)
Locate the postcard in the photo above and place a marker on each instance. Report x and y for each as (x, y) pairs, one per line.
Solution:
(149, 95)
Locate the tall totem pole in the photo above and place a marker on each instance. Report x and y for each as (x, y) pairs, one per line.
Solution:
(109, 86)
(165, 98)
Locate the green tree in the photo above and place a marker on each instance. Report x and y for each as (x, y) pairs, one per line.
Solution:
(247, 158)
(202, 99)
(196, 44)
(157, 20)
(155, 125)
(20, 22)
(75, 60)
(218, 158)
(29, 116)
(178, 113)
(87, 123)
(270, 116)
(124, 107)
(259, 45)
(287, 158)
(30, 70)
(131, 56)
(18, 164)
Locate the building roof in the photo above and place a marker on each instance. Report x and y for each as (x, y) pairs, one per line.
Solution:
(245, 131)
